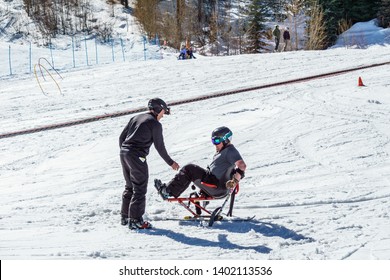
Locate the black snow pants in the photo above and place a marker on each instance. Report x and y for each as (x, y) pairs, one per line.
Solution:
(202, 178)
(136, 173)
(277, 40)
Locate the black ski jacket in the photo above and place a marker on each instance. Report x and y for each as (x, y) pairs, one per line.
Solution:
(286, 35)
(140, 133)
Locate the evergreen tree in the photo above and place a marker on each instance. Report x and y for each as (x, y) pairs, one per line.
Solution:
(256, 27)
(333, 13)
(360, 10)
(277, 8)
(384, 14)
(338, 11)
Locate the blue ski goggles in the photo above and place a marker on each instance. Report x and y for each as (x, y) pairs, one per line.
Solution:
(216, 140)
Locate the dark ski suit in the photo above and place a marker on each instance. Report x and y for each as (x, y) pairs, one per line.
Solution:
(140, 133)
(276, 33)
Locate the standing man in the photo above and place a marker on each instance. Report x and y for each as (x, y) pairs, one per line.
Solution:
(140, 133)
(286, 38)
(276, 33)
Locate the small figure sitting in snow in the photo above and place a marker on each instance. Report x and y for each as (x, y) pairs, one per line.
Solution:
(183, 53)
(190, 53)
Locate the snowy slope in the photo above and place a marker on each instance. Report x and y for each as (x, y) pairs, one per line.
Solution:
(317, 155)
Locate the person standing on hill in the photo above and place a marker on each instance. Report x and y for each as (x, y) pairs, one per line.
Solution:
(135, 140)
(276, 33)
(286, 38)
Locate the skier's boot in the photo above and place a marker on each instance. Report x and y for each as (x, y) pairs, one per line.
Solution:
(124, 220)
(161, 189)
(139, 224)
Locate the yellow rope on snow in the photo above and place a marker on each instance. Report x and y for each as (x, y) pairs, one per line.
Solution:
(47, 71)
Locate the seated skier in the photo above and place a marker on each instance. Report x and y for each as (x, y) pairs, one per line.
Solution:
(223, 174)
(183, 53)
(190, 53)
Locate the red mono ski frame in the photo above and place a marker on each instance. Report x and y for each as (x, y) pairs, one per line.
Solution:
(195, 199)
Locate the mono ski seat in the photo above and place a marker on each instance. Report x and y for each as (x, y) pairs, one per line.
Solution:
(195, 198)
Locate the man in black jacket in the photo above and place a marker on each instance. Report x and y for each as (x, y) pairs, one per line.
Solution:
(286, 38)
(140, 133)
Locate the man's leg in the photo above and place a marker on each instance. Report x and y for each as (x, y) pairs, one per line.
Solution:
(189, 173)
(139, 175)
(128, 192)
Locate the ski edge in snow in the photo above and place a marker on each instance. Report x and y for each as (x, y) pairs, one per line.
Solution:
(207, 218)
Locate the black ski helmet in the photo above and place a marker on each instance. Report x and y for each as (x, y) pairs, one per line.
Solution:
(157, 104)
(221, 135)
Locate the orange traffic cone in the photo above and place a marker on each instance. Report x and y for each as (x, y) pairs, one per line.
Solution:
(360, 82)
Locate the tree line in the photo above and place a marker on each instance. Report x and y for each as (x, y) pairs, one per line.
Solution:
(216, 26)
(240, 26)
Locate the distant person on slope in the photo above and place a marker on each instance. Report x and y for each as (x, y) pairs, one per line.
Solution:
(286, 38)
(190, 53)
(276, 33)
(183, 53)
(223, 174)
(125, 3)
(139, 134)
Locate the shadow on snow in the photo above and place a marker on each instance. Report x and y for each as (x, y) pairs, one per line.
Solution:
(222, 242)
(266, 229)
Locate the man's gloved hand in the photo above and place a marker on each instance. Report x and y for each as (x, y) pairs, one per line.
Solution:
(231, 184)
